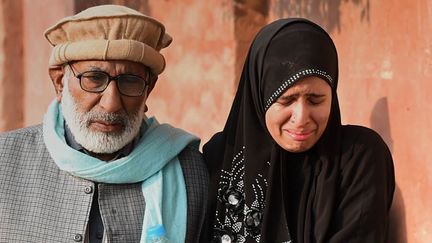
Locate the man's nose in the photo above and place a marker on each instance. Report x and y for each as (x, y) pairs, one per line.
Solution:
(111, 100)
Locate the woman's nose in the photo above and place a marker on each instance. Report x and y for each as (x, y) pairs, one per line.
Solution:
(300, 114)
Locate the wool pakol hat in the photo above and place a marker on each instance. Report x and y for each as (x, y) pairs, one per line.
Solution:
(109, 32)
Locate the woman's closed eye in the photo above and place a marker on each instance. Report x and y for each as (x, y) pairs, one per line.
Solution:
(316, 99)
(286, 100)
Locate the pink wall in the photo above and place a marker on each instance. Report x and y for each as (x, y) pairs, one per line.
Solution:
(385, 72)
(195, 91)
(397, 50)
(38, 89)
(11, 76)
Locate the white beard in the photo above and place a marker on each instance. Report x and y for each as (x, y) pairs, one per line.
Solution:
(96, 141)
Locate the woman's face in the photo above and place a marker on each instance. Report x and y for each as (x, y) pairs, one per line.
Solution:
(299, 117)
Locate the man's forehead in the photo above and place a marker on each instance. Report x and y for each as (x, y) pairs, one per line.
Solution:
(110, 65)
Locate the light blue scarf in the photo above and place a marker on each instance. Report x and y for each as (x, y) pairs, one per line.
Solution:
(153, 162)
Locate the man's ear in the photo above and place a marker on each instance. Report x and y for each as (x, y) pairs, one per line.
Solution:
(56, 73)
(153, 79)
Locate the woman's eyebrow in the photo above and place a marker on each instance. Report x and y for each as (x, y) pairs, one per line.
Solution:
(315, 95)
(288, 96)
(309, 94)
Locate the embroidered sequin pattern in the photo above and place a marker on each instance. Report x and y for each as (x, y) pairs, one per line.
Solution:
(240, 220)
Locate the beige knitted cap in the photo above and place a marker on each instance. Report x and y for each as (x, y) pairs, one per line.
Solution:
(109, 32)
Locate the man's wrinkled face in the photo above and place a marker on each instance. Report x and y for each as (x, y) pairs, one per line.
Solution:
(103, 122)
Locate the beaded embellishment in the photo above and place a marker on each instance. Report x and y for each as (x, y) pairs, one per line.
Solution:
(240, 220)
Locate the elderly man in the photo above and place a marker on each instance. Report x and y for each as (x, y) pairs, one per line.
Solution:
(97, 169)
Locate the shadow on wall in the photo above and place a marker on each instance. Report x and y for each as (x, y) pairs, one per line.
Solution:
(380, 122)
(325, 12)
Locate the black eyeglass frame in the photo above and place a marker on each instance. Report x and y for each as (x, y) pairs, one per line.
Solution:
(110, 78)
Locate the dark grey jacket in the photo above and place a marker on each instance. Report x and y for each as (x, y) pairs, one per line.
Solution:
(41, 203)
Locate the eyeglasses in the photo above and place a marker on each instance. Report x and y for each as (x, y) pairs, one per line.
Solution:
(97, 81)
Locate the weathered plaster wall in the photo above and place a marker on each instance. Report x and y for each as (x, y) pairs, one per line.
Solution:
(38, 89)
(196, 90)
(11, 58)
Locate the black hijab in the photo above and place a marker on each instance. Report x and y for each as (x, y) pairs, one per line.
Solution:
(248, 169)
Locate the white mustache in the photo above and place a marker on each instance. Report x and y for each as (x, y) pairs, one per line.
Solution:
(110, 118)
